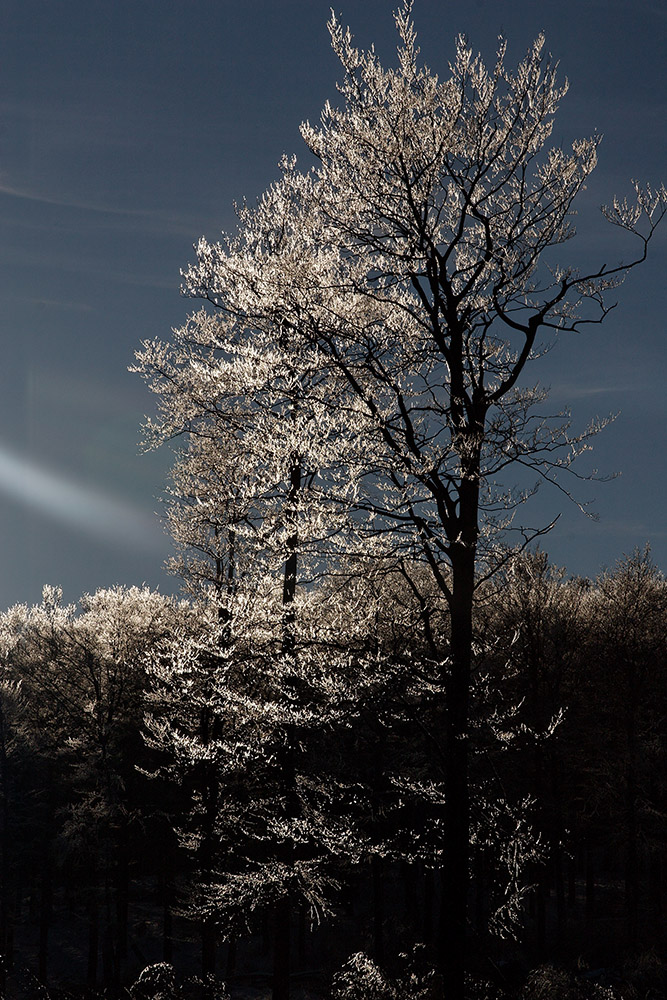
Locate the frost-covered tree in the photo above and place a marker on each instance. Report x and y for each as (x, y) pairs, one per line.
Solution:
(237, 707)
(419, 267)
(81, 677)
(253, 732)
(620, 674)
(535, 617)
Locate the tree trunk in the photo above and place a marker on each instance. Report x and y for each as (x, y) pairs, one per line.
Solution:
(429, 893)
(208, 947)
(45, 904)
(655, 895)
(378, 909)
(410, 879)
(109, 963)
(631, 833)
(93, 940)
(541, 915)
(540, 872)
(167, 898)
(589, 904)
(558, 834)
(282, 936)
(455, 869)
(281, 949)
(122, 891)
(167, 933)
(231, 957)
(572, 881)
(210, 792)
(301, 939)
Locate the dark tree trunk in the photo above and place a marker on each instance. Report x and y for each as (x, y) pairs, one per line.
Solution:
(561, 912)
(590, 882)
(45, 907)
(655, 895)
(122, 889)
(541, 893)
(572, 881)
(231, 957)
(282, 933)
(428, 905)
(455, 877)
(167, 933)
(109, 963)
(93, 941)
(558, 835)
(378, 909)
(266, 932)
(281, 949)
(167, 899)
(541, 874)
(631, 833)
(208, 947)
(301, 939)
(410, 880)
(210, 792)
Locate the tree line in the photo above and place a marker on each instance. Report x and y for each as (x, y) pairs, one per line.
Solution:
(163, 803)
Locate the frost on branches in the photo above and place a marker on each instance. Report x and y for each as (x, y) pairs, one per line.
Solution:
(358, 393)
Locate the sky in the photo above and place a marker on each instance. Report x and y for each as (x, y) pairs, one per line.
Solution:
(128, 128)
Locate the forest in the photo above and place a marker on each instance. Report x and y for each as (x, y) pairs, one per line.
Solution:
(381, 747)
(145, 808)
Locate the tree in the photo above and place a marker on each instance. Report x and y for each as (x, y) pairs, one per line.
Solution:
(249, 514)
(415, 264)
(536, 617)
(622, 672)
(82, 680)
(14, 755)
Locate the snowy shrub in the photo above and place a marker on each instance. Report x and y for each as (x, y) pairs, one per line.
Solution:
(208, 988)
(549, 983)
(156, 982)
(361, 979)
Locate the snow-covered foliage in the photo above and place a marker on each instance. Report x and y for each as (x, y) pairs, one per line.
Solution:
(414, 269)
(362, 979)
(348, 413)
(160, 982)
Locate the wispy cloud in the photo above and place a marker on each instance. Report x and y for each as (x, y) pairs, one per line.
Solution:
(149, 220)
(74, 157)
(66, 306)
(64, 202)
(92, 512)
(572, 391)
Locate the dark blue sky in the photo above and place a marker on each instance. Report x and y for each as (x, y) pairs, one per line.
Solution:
(128, 128)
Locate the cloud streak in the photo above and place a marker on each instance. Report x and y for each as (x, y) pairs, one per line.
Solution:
(572, 391)
(91, 512)
(142, 219)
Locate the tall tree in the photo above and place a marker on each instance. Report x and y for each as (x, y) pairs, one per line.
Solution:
(248, 511)
(416, 267)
